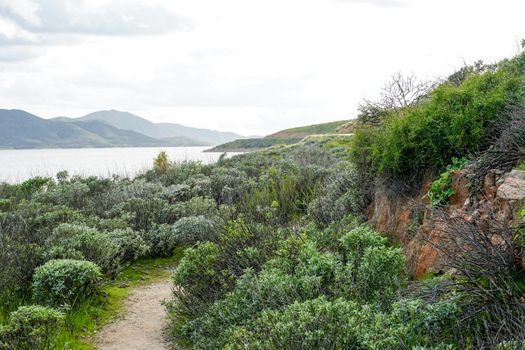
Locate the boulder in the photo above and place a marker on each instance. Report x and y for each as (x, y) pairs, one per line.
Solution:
(513, 186)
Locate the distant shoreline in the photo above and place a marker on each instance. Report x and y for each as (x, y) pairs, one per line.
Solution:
(232, 150)
(106, 147)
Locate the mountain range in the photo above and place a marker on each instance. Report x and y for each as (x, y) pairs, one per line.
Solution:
(20, 129)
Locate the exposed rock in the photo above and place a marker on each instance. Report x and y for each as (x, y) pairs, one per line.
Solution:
(502, 197)
(460, 184)
(513, 186)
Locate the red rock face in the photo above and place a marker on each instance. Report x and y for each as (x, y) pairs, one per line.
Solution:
(503, 195)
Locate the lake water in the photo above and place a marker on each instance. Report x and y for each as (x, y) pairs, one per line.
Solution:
(19, 165)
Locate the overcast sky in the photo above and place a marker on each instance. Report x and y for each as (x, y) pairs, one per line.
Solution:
(250, 66)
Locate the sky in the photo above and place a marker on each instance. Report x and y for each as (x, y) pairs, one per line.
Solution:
(248, 66)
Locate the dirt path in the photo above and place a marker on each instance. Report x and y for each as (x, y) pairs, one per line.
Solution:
(141, 326)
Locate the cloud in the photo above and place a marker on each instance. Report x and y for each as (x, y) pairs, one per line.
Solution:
(211, 52)
(17, 54)
(80, 17)
(379, 3)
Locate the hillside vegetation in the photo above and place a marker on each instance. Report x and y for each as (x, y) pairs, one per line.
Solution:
(283, 137)
(278, 250)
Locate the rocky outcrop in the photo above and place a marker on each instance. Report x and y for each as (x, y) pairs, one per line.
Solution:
(512, 186)
(411, 222)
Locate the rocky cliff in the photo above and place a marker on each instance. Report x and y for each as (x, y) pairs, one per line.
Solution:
(411, 222)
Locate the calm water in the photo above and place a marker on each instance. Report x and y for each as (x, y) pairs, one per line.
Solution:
(19, 165)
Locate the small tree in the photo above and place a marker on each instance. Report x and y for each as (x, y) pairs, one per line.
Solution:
(161, 163)
(400, 92)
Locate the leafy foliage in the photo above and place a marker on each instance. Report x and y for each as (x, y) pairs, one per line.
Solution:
(441, 190)
(32, 327)
(455, 121)
(61, 283)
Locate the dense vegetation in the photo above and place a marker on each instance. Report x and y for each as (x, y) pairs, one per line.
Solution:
(277, 251)
(461, 117)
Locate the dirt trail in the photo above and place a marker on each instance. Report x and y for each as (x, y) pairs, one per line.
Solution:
(141, 326)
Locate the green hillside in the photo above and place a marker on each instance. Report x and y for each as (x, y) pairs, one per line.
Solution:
(323, 128)
(283, 137)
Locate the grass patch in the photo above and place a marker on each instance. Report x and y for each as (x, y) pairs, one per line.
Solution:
(82, 324)
(521, 166)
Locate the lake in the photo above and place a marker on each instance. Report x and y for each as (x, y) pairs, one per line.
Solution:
(19, 165)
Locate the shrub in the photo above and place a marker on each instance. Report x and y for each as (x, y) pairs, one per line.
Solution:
(72, 194)
(380, 275)
(196, 206)
(346, 191)
(199, 278)
(488, 288)
(66, 282)
(161, 241)
(131, 245)
(506, 153)
(454, 122)
(314, 324)
(355, 242)
(161, 163)
(228, 184)
(411, 324)
(193, 229)
(36, 184)
(441, 190)
(270, 289)
(195, 186)
(180, 172)
(375, 270)
(93, 245)
(145, 213)
(32, 327)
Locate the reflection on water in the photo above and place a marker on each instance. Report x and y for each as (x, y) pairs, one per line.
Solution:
(19, 165)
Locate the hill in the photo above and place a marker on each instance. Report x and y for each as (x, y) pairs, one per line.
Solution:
(170, 131)
(284, 137)
(20, 129)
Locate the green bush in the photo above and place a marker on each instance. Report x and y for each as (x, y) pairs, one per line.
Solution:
(34, 185)
(268, 290)
(314, 324)
(361, 268)
(32, 328)
(412, 324)
(94, 246)
(199, 278)
(66, 282)
(160, 240)
(196, 206)
(455, 121)
(192, 229)
(380, 275)
(161, 163)
(356, 241)
(131, 246)
(441, 190)
(346, 191)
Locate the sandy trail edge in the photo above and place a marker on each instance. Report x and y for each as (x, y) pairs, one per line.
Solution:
(143, 321)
